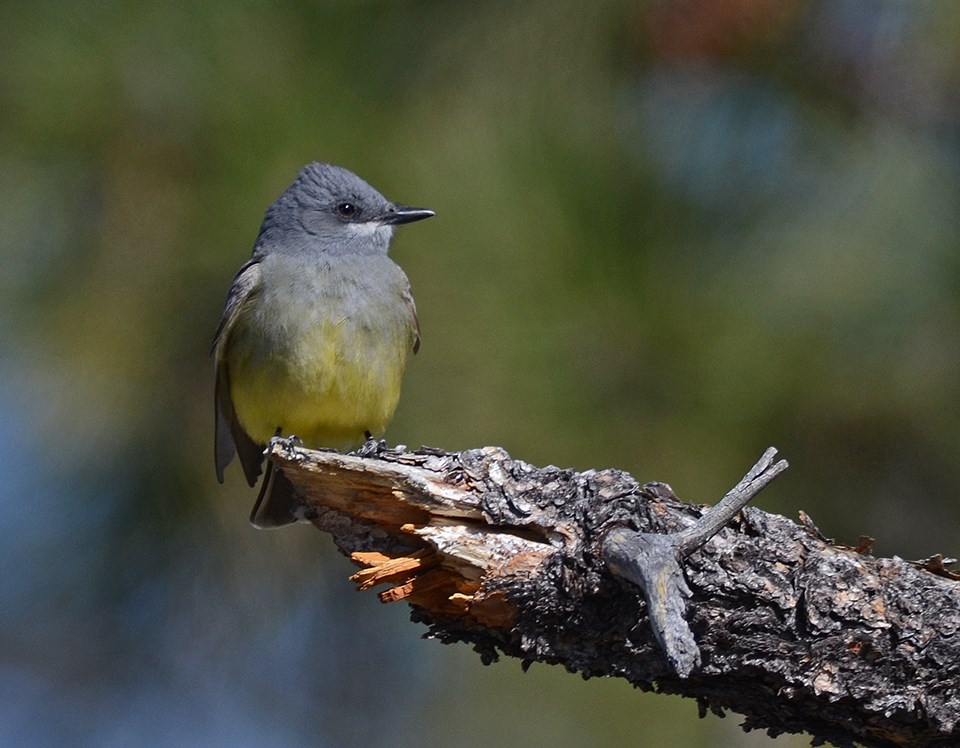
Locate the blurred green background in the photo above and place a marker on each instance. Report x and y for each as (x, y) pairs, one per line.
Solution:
(668, 235)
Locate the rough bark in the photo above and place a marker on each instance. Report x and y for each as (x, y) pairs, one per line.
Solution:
(793, 632)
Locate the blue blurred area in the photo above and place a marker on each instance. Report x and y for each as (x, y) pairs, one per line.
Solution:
(669, 234)
(118, 626)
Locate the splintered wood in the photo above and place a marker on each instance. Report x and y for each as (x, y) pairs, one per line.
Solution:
(416, 578)
(435, 549)
(382, 569)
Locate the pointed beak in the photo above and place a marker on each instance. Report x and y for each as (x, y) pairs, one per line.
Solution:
(402, 214)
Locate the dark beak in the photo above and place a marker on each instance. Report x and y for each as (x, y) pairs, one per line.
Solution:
(402, 214)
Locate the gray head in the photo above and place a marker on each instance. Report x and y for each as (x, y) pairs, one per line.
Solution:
(330, 209)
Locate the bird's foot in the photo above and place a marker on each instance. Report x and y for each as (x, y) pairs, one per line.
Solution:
(287, 444)
(372, 447)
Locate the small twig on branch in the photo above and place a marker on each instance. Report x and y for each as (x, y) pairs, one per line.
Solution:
(757, 478)
(650, 561)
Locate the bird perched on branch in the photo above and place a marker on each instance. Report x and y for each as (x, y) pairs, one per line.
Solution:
(317, 330)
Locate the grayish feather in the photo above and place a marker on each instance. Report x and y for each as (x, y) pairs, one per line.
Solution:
(229, 435)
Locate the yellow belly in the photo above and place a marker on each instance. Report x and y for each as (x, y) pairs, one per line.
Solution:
(327, 379)
(336, 387)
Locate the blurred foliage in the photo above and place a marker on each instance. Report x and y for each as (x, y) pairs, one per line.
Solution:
(669, 234)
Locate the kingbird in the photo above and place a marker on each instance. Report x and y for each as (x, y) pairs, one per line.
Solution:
(317, 330)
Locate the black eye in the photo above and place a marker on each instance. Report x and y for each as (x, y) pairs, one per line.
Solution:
(346, 209)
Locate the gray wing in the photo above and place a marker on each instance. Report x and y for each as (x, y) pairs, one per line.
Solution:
(229, 435)
(408, 297)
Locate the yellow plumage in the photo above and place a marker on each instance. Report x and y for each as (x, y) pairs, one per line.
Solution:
(331, 371)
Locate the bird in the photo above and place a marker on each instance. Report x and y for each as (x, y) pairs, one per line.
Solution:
(316, 332)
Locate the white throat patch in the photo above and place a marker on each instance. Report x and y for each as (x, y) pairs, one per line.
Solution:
(371, 229)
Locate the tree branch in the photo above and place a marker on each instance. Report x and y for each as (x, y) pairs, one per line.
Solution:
(767, 618)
